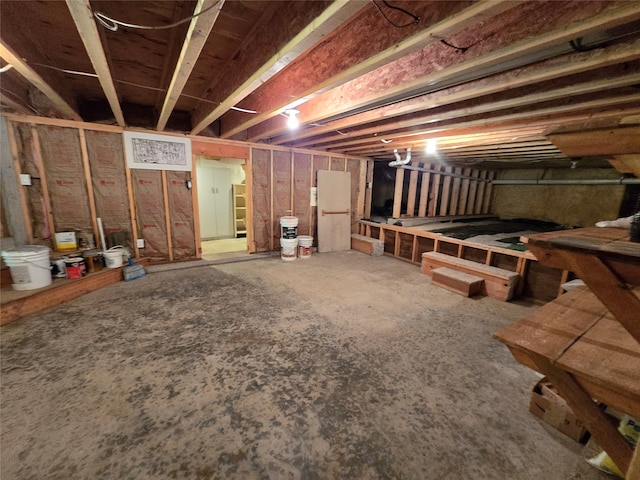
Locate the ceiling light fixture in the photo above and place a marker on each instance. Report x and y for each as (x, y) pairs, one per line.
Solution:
(431, 146)
(292, 120)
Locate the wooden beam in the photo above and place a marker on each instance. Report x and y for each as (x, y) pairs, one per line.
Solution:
(23, 68)
(454, 23)
(83, 17)
(611, 141)
(627, 163)
(199, 30)
(337, 13)
(13, 105)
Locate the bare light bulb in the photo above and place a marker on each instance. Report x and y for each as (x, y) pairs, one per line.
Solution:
(292, 120)
(431, 146)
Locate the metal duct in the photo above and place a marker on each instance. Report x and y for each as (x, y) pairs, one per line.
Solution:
(619, 181)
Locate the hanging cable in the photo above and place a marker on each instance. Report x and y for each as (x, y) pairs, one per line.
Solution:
(146, 87)
(460, 49)
(415, 21)
(112, 24)
(6, 68)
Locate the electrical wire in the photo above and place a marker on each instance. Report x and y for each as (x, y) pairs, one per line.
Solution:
(6, 68)
(112, 24)
(146, 87)
(415, 21)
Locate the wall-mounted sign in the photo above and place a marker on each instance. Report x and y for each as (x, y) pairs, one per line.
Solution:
(157, 152)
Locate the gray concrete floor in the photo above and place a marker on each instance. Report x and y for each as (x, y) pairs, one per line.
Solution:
(342, 366)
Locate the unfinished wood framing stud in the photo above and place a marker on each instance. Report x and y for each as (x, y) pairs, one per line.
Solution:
(37, 156)
(87, 177)
(196, 208)
(132, 211)
(397, 195)
(167, 214)
(24, 203)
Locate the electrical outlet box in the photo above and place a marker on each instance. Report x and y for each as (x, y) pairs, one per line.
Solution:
(140, 242)
(25, 179)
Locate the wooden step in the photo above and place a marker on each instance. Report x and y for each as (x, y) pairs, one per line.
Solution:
(457, 281)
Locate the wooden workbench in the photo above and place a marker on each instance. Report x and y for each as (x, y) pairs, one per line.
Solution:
(587, 342)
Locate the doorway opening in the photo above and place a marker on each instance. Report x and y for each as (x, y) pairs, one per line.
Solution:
(222, 207)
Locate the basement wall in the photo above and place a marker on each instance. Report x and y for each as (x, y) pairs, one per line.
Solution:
(79, 174)
(571, 205)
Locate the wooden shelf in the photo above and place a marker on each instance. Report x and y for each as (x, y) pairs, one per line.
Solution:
(239, 210)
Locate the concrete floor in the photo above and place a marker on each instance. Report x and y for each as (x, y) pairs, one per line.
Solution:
(342, 366)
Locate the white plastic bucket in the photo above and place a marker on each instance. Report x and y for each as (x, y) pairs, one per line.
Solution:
(305, 244)
(113, 257)
(289, 227)
(288, 248)
(30, 267)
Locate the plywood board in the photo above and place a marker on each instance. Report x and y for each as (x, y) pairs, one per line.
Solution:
(334, 211)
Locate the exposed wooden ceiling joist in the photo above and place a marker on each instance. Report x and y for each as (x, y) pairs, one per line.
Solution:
(529, 76)
(332, 105)
(22, 67)
(197, 35)
(337, 13)
(484, 108)
(268, 108)
(83, 17)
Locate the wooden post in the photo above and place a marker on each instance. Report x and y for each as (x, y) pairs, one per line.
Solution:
(464, 192)
(196, 206)
(486, 205)
(167, 213)
(444, 202)
(368, 189)
(24, 204)
(132, 212)
(424, 192)
(271, 226)
(362, 188)
(248, 180)
(413, 187)
(455, 192)
(37, 155)
(87, 177)
(473, 190)
(435, 193)
(397, 195)
(480, 193)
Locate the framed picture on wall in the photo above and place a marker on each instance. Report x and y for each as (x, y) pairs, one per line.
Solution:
(157, 152)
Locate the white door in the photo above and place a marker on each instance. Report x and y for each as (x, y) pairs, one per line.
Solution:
(334, 211)
(214, 202)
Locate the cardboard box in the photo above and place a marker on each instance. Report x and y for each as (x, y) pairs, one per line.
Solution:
(547, 404)
(66, 241)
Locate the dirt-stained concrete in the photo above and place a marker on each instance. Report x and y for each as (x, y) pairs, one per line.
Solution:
(342, 366)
